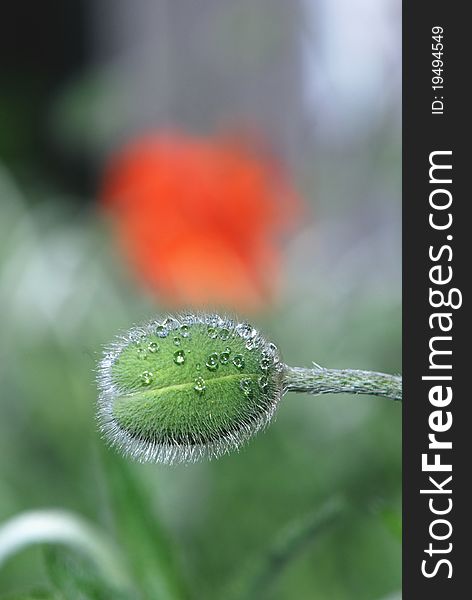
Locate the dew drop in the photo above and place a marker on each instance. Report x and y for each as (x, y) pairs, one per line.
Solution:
(265, 362)
(238, 361)
(200, 385)
(141, 353)
(153, 347)
(212, 362)
(185, 331)
(198, 366)
(161, 331)
(147, 377)
(224, 334)
(245, 330)
(179, 357)
(212, 333)
(176, 341)
(224, 357)
(251, 344)
(171, 323)
(245, 385)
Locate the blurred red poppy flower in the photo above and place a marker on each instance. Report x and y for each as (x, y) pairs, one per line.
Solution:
(200, 219)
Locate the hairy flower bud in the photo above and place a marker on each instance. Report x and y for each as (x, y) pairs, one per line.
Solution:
(187, 387)
(197, 386)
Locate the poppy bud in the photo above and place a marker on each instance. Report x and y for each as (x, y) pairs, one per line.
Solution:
(187, 387)
(196, 386)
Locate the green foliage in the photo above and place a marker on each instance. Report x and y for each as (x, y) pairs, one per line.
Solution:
(138, 529)
(74, 576)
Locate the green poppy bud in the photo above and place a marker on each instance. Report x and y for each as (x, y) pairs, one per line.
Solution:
(187, 387)
(197, 386)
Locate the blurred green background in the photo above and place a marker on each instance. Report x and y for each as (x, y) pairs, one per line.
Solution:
(322, 84)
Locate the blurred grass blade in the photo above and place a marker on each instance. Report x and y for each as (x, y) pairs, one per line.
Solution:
(62, 527)
(151, 555)
(75, 576)
(262, 571)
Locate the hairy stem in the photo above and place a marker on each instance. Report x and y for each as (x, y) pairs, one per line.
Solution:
(342, 381)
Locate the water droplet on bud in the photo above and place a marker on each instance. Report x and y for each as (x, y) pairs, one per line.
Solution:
(212, 362)
(265, 362)
(212, 333)
(238, 361)
(245, 330)
(251, 344)
(246, 386)
(200, 385)
(224, 334)
(161, 331)
(179, 357)
(224, 357)
(171, 323)
(147, 377)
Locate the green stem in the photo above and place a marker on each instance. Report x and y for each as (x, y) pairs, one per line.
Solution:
(342, 381)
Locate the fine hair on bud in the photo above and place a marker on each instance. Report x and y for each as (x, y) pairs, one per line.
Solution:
(187, 387)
